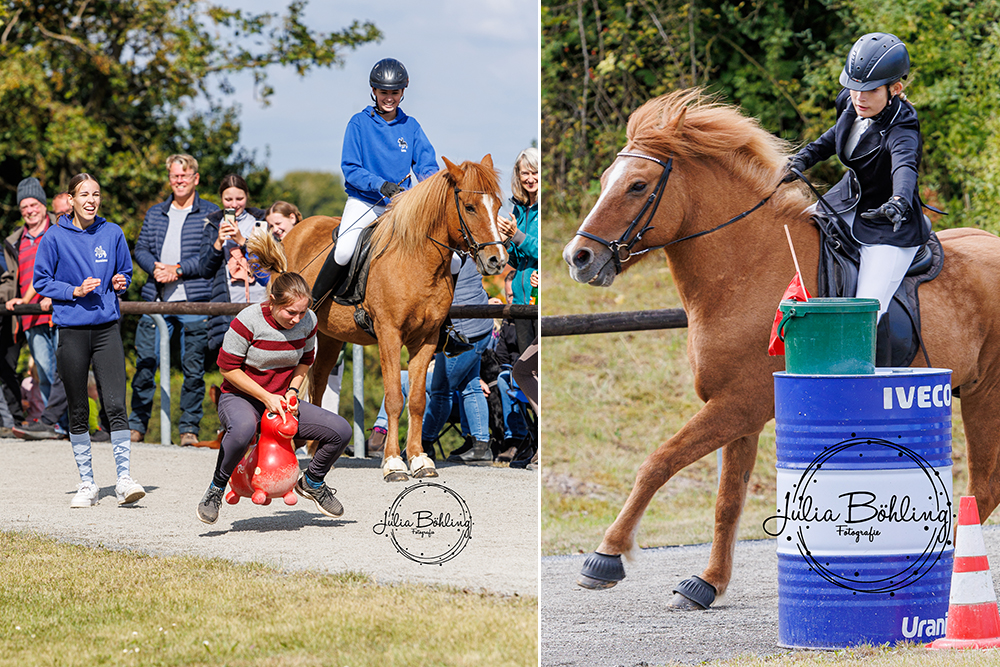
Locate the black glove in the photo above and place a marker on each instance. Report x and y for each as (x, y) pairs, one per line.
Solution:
(789, 176)
(389, 189)
(893, 210)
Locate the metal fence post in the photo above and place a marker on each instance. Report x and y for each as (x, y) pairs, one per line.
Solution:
(358, 376)
(161, 326)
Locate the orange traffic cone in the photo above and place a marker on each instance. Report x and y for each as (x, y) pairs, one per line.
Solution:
(973, 620)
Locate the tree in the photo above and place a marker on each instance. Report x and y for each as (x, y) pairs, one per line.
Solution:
(314, 192)
(108, 86)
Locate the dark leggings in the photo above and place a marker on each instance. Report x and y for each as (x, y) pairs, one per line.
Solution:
(102, 345)
(241, 415)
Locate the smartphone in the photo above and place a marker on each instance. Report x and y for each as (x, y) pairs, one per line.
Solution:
(229, 219)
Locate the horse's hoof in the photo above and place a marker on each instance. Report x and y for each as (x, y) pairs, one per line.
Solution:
(601, 571)
(396, 476)
(422, 467)
(693, 594)
(394, 470)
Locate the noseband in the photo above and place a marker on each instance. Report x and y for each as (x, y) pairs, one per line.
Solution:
(474, 248)
(621, 249)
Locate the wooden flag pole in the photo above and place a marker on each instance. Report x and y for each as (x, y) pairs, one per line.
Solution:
(795, 260)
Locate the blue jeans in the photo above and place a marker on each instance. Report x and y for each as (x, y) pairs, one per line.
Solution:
(194, 341)
(382, 421)
(458, 374)
(513, 421)
(43, 341)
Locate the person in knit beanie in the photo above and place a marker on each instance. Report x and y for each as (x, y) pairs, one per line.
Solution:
(30, 188)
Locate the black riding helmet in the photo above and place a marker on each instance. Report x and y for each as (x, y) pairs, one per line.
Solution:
(389, 74)
(877, 59)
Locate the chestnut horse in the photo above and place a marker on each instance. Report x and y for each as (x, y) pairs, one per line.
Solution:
(730, 281)
(410, 288)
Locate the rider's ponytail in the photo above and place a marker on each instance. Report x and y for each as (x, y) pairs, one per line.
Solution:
(264, 252)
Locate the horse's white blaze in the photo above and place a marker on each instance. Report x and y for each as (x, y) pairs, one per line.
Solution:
(613, 177)
(491, 215)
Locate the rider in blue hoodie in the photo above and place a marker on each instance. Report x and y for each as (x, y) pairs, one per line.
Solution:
(83, 264)
(381, 146)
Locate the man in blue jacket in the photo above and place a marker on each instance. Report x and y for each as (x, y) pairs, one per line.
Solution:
(168, 249)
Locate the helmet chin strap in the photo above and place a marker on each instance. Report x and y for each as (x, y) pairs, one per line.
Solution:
(378, 110)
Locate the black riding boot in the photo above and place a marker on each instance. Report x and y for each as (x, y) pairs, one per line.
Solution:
(329, 278)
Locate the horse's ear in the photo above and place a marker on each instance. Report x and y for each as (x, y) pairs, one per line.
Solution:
(454, 170)
(487, 161)
(679, 123)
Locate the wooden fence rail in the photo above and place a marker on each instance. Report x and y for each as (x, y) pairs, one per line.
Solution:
(636, 320)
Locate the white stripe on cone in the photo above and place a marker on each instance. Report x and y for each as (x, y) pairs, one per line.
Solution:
(969, 541)
(972, 588)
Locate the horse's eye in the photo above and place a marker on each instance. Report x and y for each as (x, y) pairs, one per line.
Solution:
(637, 187)
(469, 208)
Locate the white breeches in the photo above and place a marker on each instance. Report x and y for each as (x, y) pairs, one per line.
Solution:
(357, 215)
(883, 268)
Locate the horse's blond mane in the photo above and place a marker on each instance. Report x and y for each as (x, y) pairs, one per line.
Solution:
(716, 131)
(415, 213)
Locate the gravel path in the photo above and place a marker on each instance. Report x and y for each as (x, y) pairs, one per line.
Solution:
(502, 555)
(631, 625)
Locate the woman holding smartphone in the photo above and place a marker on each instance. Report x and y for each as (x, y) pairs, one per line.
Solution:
(224, 254)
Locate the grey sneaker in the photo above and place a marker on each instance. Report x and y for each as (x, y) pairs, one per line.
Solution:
(208, 508)
(323, 497)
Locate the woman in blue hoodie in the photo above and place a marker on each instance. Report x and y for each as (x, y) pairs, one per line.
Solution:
(83, 264)
(381, 145)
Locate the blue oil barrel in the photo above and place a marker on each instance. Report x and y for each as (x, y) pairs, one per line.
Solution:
(864, 507)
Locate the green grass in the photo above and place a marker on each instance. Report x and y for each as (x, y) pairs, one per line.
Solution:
(610, 399)
(71, 605)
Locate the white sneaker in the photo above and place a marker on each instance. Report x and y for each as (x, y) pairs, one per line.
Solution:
(86, 495)
(128, 490)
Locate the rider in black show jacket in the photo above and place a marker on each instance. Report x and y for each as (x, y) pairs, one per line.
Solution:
(884, 164)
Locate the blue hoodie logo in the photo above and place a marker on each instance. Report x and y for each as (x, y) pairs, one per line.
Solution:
(100, 255)
(402, 144)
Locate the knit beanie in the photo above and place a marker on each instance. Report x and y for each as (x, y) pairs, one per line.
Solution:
(30, 188)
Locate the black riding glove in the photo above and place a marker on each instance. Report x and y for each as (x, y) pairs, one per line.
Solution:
(389, 189)
(893, 210)
(797, 164)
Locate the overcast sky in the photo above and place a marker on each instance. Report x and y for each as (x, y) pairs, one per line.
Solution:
(474, 84)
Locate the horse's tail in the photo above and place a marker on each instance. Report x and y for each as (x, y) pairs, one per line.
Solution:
(266, 253)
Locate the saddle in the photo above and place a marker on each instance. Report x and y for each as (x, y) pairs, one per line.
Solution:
(351, 289)
(897, 339)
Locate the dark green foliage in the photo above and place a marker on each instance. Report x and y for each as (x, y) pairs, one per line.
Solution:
(107, 87)
(779, 61)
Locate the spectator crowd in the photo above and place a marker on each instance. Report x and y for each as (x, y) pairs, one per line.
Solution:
(75, 265)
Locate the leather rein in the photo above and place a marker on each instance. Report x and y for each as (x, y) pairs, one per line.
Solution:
(621, 250)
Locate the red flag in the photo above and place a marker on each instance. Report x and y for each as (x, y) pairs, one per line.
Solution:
(796, 291)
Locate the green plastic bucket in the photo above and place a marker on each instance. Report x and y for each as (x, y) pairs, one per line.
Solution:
(829, 336)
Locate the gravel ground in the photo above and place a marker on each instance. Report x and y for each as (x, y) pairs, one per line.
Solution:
(501, 557)
(630, 624)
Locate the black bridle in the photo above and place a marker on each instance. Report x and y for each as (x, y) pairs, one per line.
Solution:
(621, 249)
(474, 248)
